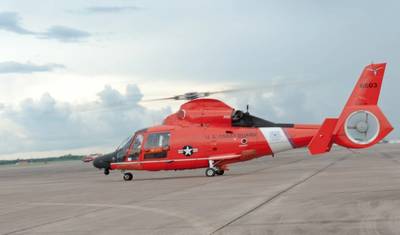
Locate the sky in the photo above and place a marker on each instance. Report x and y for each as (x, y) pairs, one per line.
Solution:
(73, 73)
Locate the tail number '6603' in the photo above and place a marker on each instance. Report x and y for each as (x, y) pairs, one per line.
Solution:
(368, 85)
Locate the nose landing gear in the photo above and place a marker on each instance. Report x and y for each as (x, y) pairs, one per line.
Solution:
(106, 171)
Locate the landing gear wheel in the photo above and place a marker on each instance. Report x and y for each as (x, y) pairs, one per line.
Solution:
(128, 176)
(219, 172)
(106, 171)
(210, 172)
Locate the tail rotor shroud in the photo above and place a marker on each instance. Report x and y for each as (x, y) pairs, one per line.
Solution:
(362, 127)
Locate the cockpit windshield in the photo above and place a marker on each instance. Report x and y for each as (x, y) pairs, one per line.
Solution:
(125, 143)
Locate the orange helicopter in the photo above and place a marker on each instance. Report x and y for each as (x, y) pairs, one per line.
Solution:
(207, 133)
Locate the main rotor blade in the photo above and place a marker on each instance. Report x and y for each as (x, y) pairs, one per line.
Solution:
(226, 91)
(195, 95)
(160, 99)
(188, 96)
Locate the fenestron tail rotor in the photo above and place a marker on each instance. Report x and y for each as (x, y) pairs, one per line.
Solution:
(362, 127)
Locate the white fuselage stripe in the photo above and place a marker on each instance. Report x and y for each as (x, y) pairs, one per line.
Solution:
(276, 138)
(225, 157)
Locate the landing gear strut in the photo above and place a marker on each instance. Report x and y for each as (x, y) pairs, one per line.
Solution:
(128, 176)
(212, 170)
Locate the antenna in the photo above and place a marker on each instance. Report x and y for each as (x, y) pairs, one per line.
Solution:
(247, 108)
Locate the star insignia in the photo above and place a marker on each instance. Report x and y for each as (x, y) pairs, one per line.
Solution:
(188, 150)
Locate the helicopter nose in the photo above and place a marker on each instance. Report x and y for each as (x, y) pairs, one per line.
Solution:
(102, 162)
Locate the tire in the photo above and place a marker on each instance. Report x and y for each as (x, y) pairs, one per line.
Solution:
(210, 172)
(106, 171)
(128, 176)
(220, 172)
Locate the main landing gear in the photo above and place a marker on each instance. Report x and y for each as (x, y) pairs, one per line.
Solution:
(128, 176)
(212, 170)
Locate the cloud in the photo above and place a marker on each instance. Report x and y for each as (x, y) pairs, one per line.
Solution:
(111, 9)
(64, 34)
(282, 104)
(48, 124)
(110, 97)
(15, 67)
(10, 21)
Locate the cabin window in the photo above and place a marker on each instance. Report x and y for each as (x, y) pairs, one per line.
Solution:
(157, 145)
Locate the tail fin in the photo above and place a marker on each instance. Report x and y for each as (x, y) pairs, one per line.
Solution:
(368, 87)
(361, 123)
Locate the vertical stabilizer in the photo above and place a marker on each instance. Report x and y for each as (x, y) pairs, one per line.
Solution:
(361, 123)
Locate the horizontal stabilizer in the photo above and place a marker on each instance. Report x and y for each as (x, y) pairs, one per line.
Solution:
(322, 141)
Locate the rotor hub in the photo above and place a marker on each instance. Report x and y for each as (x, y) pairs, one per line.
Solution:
(362, 126)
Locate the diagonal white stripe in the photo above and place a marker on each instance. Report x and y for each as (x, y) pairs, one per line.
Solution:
(276, 138)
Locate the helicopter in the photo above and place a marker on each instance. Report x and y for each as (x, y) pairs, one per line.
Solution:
(207, 133)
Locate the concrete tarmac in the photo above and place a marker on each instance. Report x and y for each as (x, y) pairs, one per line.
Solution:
(341, 192)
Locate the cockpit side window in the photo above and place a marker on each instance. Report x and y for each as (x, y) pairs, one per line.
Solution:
(137, 144)
(136, 147)
(121, 151)
(157, 145)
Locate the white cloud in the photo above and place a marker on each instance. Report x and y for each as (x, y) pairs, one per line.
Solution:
(16, 67)
(47, 124)
(64, 34)
(111, 9)
(10, 21)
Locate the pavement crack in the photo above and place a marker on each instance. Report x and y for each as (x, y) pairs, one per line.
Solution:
(333, 221)
(52, 222)
(280, 193)
(390, 157)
